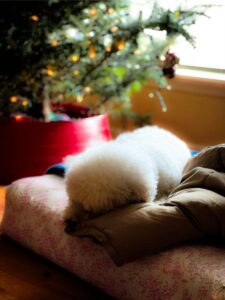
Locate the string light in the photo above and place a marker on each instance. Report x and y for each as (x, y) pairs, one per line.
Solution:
(176, 14)
(87, 89)
(92, 53)
(114, 28)
(50, 72)
(80, 98)
(120, 45)
(71, 32)
(13, 99)
(137, 52)
(110, 10)
(54, 43)
(34, 18)
(25, 103)
(93, 11)
(60, 97)
(75, 58)
(108, 49)
(18, 118)
(91, 34)
(76, 72)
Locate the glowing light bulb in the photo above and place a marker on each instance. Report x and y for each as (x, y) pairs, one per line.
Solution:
(80, 98)
(76, 72)
(92, 53)
(50, 72)
(121, 45)
(108, 49)
(75, 58)
(71, 32)
(25, 103)
(18, 118)
(34, 18)
(93, 11)
(91, 33)
(54, 43)
(114, 28)
(110, 10)
(176, 14)
(13, 99)
(137, 52)
(87, 89)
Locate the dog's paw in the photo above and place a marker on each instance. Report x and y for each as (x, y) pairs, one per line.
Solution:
(73, 215)
(70, 221)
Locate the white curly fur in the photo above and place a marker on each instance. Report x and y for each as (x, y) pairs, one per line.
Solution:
(138, 166)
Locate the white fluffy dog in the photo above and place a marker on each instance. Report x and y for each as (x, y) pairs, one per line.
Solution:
(138, 166)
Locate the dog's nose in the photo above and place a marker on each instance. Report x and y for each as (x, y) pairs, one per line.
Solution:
(70, 226)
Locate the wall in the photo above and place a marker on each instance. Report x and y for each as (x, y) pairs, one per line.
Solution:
(195, 110)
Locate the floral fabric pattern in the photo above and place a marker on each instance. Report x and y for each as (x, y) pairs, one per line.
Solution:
(33, 217)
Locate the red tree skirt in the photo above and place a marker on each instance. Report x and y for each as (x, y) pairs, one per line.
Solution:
(29, 148)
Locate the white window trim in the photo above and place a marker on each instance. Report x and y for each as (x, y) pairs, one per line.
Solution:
(199, 72)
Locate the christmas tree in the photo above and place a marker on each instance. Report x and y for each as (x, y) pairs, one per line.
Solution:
(70, 50)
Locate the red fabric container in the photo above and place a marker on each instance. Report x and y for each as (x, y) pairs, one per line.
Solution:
(29, 148)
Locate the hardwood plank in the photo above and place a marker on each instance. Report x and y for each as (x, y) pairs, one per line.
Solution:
(15, 288)
(33, 271)
(2, 200)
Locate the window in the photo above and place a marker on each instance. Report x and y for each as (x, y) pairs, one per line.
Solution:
(207, 58)
(209, 53)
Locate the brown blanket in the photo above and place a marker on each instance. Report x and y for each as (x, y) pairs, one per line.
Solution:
(194, 210)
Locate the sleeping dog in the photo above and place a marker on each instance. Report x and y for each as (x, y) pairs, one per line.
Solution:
(137, 166)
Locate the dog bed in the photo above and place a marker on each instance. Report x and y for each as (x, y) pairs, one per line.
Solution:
(33, 217)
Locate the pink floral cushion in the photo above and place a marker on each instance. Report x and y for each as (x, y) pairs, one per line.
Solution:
(33, 217)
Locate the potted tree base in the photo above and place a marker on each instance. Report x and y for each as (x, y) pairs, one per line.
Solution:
(29, 148)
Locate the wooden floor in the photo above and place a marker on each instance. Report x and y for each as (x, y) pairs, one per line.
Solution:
(27, 276)
(2, 201)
